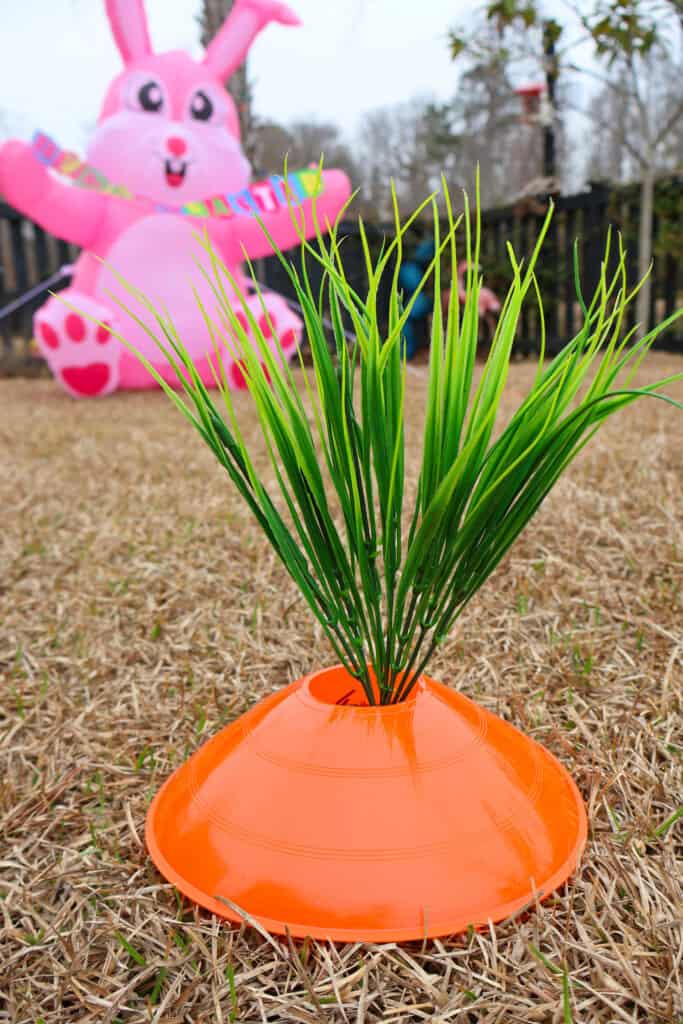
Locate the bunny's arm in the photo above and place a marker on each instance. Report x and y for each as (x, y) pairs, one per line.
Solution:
(70, 213)
(245, 234)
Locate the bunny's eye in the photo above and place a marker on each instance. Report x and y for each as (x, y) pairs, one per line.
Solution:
(201, 107)
(150, 97)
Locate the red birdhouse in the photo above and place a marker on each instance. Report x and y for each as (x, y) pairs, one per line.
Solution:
(531, 94)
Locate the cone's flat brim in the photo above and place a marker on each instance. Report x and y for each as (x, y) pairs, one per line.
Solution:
(362, 823)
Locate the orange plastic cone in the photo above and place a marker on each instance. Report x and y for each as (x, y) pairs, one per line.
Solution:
(353, 823)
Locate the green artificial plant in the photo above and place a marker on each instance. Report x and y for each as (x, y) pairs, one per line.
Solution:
(387, 582)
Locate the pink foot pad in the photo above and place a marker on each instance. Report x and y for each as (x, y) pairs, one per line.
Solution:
(237, 377)
(87, 381)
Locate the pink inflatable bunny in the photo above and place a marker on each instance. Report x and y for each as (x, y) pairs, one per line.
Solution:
(168, 132)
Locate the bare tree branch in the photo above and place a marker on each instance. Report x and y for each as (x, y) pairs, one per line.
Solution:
(607, 127)
(670, 124)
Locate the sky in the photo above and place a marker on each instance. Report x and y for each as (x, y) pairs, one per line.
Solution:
(57, 57)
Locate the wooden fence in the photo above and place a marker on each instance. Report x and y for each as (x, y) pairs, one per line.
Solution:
(28, 256)
(587, 217)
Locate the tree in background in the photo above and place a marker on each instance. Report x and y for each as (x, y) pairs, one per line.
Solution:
(488, 133)
(628, 39)
(502, 48)
(639, 114)
(417, 141)
(413, 143)
(614, 155)
(303, 142)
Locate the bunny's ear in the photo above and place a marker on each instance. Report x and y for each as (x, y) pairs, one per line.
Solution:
(129, 27)
(227, 51)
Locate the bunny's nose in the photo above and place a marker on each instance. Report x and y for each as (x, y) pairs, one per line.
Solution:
(176, 146)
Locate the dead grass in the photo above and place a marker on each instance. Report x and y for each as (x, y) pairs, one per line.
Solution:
(140, 610)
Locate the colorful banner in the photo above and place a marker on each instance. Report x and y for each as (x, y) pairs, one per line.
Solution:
(261, 197)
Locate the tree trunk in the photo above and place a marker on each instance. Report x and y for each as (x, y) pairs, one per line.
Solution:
(647, 194)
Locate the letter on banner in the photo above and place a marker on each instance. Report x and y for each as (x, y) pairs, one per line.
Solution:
(219, 208)
(236, 199)
(310, 181)
(45, 148)
(196, 209)
(265, 196)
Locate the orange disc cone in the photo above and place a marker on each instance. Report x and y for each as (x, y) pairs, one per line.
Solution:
(367, 823)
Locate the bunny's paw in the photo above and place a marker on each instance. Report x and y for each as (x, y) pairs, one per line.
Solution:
(83, 356)
(276, 324)
(277, 321)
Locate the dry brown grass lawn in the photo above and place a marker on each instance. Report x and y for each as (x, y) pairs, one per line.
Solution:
(140, 610)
